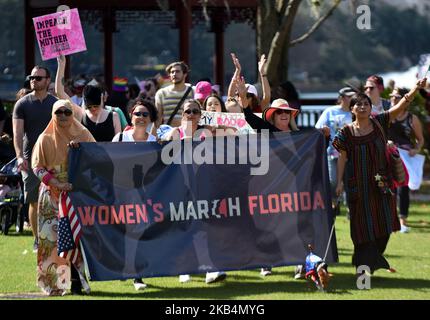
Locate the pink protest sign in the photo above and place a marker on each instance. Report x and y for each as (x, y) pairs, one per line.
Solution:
(59, 33)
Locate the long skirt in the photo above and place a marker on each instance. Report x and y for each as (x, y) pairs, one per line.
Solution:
(371, 254)
(53, 272)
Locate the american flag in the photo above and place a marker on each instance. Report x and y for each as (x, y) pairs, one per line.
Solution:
(69, 229)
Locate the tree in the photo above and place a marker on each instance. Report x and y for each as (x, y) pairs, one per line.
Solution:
(275, 21)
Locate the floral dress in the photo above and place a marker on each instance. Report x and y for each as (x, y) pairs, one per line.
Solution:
(53, 272)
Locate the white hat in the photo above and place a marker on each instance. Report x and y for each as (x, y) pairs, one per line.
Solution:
(251, 89)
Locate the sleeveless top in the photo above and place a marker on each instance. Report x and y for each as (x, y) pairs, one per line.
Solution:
(102, 131)
(401, 131)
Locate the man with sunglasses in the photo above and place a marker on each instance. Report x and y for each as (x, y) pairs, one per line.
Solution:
(373, 89)
(31, 115)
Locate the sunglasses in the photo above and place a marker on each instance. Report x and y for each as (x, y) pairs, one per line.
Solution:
(396, 96)
(66, 112)
(141, 114)
(93, 106)
(37, 78)
(193, 111)
(282, 111)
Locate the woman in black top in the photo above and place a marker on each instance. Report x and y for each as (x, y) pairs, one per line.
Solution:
(102, 124)
(99, 121)
(406, 132)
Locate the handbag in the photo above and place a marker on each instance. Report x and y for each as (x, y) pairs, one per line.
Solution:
(396, 167)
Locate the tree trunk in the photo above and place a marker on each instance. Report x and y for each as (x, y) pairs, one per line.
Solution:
(274, 30)
(267, 26)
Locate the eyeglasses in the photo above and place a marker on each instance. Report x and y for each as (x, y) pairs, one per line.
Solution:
(370, 88)
(279, 111)
(93, 106)
(141, 114)
(193, 111)
(66, 112)
(232, 100)
(37, 78)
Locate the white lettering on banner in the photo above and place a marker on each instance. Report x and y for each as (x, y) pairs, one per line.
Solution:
(203, 209)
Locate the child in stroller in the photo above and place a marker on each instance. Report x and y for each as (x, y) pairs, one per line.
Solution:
(10, 197)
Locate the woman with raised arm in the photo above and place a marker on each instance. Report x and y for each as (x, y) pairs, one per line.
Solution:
(407, 133)
(102, 124)
(253, 101)
(363, 172)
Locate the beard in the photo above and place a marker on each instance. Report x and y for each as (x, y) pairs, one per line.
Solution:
(39, 87)
(177, 80)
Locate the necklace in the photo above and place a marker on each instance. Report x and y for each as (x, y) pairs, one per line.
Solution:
(367, 130)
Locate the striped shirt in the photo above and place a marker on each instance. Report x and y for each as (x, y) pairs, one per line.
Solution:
(169, 99)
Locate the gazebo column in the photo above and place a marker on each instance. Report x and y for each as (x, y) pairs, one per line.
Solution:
(108, 29)
(218, 29)
(183, 22)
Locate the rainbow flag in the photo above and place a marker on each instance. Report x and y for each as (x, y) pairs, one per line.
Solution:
(120, 84)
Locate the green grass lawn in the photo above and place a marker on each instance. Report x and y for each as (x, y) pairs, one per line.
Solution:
(408, 253)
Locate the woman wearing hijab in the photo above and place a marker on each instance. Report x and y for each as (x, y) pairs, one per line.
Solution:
(49, 163)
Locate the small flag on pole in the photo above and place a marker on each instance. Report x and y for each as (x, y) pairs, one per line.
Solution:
(69, 229)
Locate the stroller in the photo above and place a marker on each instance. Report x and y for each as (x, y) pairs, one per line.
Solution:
(11, 197)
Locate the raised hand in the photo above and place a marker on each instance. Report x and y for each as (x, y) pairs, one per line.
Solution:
(61, 60)
(262, 64)
(421, 84)
(236, 62)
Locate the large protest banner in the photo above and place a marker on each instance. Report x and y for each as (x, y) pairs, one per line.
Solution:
(143, 216)
(59, 33)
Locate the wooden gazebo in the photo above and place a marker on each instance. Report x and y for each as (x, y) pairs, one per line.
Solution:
(218, 12)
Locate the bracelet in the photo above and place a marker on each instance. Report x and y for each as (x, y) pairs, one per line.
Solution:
(264, 75)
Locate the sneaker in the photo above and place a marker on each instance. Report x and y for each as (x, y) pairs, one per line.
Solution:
(139, 284)
(217, 276)
(266, 272)
(404, 229)
(299, 272)
(184, 278)
(35, 245)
